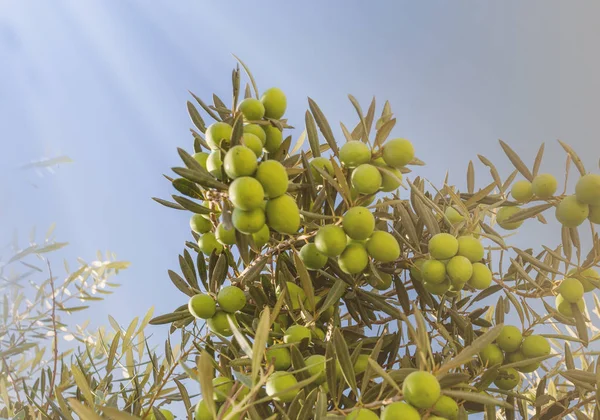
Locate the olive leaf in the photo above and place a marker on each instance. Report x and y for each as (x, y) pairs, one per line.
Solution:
(323, 126)
(468, 352)
(196, 118)
(168, 204)
(205, 377)
(574, 157)
(516, 161)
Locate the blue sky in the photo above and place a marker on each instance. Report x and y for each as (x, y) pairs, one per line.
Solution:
(106, 84)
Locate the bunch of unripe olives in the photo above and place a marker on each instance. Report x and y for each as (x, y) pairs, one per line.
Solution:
(352, 243)
(453, 263)
(571, 210)
(369, 174)
(230, 299)
(257, 189)
(512, 347)
(421, 393)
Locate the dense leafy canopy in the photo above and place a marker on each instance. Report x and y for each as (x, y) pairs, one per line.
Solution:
(321, 280)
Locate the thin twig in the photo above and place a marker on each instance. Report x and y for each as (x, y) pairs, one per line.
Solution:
(12, 379)
(167, 377)
(55, 340)
(276, 250)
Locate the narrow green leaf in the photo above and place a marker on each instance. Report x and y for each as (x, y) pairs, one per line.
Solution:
(235, 85)
(130, 329)
(250, 273)
(475, 397)
(384, 132)
(330, 180)
(381, 372)
(313, 136)
(509, 180)
(380, 304)
(321, 408)
(187, 187)
(323, 126)
(116, 414)
(191, 205)
(64, 409)
(110, 360)
(487, 292)
(480, 195)
(206, 107)
(342, 182)
(516, 161)
(249, 74)
(526, 362)
(347, 134)
(529, 213)
(260, 340)
(299, 142)
(535, 262)
(298, 364)
(196, 176)
(580, 375)
(169, 318)
(370, 115)
(343, 357)
(580, 324)
(597, 382)
(333, 296)
(470, 178)
(499, 313)
(308, 408)
(365, 130)
(247, 92)
(23, 253)
(386, 115)
(82, 384)
(423, 343)
(84, 413)
(468, 352)
(538, 160)
(358, 132)
(52, 247)
(206, 373)
(305, 280)
(199, 142)
(281, 153)
(516, 305)
(221, 108)
(73, 309)
(238, 130)
(574, 157)
(180, 283)
(239, 337)
(219, 273)
(17, 349)
(330, 369)
(195, 117)
(187, 268)
(190, 162)
(493, 171)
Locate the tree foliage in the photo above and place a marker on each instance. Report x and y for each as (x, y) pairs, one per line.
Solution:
(352, 291)
(386, 310)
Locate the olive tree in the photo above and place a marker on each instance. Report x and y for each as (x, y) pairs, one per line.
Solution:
(323, 281)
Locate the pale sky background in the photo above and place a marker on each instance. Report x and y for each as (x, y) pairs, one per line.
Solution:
(106, 84)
